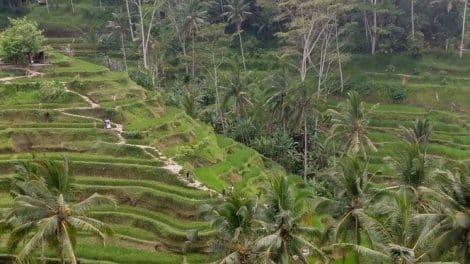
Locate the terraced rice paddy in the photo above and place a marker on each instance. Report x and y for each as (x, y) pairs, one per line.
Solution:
(133, 161)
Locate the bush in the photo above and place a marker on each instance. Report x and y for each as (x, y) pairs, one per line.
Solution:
(142, 78)
(51, 90)
(397, 93)
(359, 83)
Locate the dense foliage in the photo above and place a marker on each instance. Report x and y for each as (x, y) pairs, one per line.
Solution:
(269, 74)
(20, 41)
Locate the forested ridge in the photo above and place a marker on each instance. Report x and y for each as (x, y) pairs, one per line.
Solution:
(239, 131)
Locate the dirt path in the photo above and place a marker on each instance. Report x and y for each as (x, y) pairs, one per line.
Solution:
(87, 99)
(170, 164)
(29, 74)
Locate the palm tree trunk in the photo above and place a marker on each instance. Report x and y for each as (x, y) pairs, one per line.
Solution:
(339, 58)
(47, 6)
(123, 51)
(358, 239)
(130, 20)
(366, 24)
(194, 57)
(43, 258)
(463, 28)
(217, 96)
(412, 19)
(305, 148)
(241, 46)
(185, 54)
(101, 5)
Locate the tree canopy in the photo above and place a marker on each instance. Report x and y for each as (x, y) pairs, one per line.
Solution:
(21, 40)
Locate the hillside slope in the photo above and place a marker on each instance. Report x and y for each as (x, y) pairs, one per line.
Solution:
(144, 160)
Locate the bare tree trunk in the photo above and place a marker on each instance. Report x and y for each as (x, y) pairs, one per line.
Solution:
(413, 19)
(130, 20)
(142, 33)
(47, 6)
(123, 51)
(339, 58)
(374, 30)
(73, 8)
(241, 46)
(145, 39)
(101, 5)
(463, 28)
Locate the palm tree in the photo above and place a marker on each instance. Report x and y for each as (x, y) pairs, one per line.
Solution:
(410, 165)
(40, 214)
(418, 134)
(454, 198)
(234, 220)
(277, 102)
(350, 126)
(195, 17)
(285, 239)
(399, 234)
(238, 89)
(237, 12)
(349, 206)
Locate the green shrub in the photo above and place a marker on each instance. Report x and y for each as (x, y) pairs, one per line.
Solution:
(396, 92)
(51, 90)
(142, 78)
(359, 83)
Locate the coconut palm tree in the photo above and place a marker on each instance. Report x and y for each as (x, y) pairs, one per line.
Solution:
(349, 206)
(41, 215)
(195, 17)
(418, 134)
(411, 166)
(399, 234)
(285, 237)
(237, 12)
(234, 221)
(279, 85)
(453, 196)
(350, 126)
(238, 89)
(301, 104)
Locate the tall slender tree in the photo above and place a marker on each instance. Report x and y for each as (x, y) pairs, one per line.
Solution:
(237, 11)
(464, 22)
(350, 126)
(195, 17)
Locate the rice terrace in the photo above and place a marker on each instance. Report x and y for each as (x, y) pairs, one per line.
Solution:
(234, 131)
